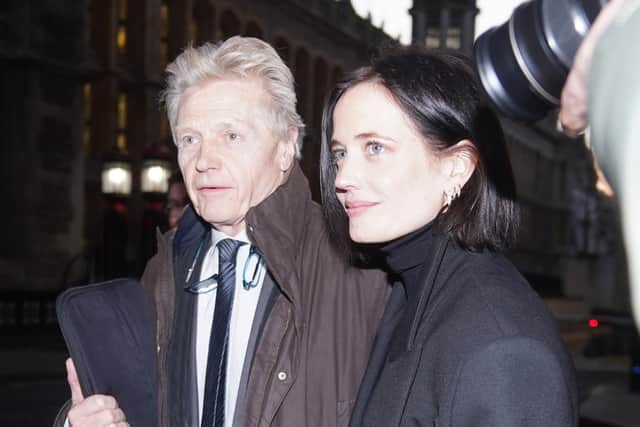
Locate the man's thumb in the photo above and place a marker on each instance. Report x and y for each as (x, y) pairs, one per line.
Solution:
(74, 384)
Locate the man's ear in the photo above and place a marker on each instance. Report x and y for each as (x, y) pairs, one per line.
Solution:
(460, 162)
(287, 149)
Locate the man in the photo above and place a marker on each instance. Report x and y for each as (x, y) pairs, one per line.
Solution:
(177, 199)
(294, 347)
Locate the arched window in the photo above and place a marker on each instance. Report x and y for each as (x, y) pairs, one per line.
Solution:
(203, 22)
(321, 78)
(229, 24)
(284, 50)
(301, 70)
(253, 30)
(121, 34)
(121, 121)
(164, 35)
(336, 75)
(87, 90)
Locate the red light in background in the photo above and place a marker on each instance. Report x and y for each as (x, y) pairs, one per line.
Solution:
(593, 323)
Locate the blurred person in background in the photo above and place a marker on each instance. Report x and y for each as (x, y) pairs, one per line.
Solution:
(177, 200)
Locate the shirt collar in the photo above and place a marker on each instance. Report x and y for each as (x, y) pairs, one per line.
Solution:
(217, 236)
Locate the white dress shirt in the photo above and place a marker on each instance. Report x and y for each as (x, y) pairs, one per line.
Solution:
(245, 302)
(244, 307)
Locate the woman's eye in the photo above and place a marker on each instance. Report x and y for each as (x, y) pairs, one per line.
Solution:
(338, 155)
(233, 136)
(375, 148)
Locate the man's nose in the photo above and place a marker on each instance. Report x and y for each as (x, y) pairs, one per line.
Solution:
(209, 156)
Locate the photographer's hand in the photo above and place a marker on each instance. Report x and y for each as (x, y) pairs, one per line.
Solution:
(572, 118)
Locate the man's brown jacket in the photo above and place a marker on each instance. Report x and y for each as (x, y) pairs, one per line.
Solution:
(315, 338)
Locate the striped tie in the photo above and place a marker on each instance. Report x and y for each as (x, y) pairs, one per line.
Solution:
(214, 391)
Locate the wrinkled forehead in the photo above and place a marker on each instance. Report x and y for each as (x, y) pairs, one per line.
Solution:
(231, 100)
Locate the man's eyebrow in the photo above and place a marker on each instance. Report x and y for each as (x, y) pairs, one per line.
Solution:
(188, 127)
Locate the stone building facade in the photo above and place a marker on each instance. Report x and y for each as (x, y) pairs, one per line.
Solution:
(80, 80)
(43, 62)
(444, 23)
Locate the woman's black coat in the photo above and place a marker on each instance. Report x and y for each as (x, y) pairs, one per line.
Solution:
(481, 350)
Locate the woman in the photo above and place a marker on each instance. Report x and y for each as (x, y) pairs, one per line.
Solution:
(415, 168)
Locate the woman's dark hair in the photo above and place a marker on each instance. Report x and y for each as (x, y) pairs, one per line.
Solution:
(438, 91)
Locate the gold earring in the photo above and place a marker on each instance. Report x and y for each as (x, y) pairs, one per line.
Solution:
(448, 198)
(450, 195)
(456, 191)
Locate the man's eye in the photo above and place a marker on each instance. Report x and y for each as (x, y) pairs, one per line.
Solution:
(189, 140)
(233, 136)
(375, 148)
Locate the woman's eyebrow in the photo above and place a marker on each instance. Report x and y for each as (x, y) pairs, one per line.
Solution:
(369, 135)
(335, 142)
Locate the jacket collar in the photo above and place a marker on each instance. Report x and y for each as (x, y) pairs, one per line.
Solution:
(276, 227)
(191, 230)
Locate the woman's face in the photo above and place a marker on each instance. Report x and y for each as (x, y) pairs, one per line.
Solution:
(388, 180)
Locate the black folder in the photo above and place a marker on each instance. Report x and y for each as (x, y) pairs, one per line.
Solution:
(108, 331)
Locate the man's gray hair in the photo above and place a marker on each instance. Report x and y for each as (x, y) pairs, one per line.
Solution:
(237, 57)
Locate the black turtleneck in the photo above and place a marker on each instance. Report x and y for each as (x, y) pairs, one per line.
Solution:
(409, 258)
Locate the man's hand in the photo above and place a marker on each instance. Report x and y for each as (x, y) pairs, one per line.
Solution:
(94, 411)
(572, 119)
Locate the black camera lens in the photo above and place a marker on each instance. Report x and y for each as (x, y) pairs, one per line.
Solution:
(524, 63)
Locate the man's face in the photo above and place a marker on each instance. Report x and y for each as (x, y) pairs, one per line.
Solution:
(229, 157)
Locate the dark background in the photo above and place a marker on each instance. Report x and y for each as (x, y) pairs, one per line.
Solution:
(79, 86)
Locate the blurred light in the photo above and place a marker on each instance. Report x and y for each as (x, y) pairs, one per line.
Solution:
(635, 369)
(155, 176)
(119, 207)
(594, 323)
(116, 178)
(121, 38)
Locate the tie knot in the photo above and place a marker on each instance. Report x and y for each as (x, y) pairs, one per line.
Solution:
(227, 249)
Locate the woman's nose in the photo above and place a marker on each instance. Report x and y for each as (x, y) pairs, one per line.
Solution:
(346, 176)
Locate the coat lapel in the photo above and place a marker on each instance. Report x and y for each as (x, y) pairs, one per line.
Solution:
(397, 351)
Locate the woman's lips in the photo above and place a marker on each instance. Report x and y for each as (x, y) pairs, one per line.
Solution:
(355, 208)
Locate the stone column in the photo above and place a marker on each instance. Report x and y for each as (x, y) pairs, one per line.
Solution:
(418, 26)
(180, 15)
(445, 17)
(468, 30)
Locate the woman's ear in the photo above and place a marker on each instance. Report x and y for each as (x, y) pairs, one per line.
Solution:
(461, 160)
(287, 149)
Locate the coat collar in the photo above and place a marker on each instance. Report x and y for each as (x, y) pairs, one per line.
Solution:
(421, 296)
(276, 227)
